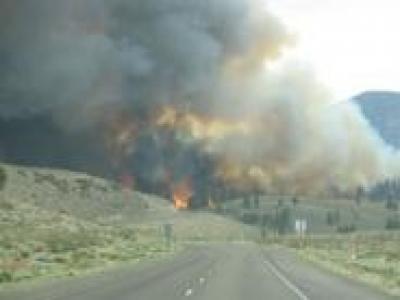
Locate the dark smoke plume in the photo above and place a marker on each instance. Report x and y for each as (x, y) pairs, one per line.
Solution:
(169, 89)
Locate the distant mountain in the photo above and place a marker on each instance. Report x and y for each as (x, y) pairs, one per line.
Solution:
(382, 109)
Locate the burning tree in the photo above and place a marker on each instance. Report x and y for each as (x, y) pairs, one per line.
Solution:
(182, 194)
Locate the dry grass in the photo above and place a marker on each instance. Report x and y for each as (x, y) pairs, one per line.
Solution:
(57, 223)
(371, 257)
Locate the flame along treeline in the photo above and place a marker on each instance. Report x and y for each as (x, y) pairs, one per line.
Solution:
(191, 169)
(190, 157)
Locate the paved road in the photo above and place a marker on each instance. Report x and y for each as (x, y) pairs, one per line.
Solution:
(234, 271)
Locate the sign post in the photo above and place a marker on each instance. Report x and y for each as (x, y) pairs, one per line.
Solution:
(300, 227)
(168, 234)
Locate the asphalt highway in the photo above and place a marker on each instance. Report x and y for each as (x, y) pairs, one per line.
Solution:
(225, 271)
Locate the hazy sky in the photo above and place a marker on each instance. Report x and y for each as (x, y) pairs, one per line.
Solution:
(353, 45)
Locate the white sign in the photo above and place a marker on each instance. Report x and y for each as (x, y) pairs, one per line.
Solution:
(300, 226)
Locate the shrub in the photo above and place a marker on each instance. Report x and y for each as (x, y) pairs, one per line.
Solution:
(265, 220)
(246, 202)
(329, 219)
(282, 222)
(128, 234)
(84, 184)
(3, 178)
(347, 228)
(392, 205)
(392, 223)
(58, 242)
(250, 218)
(6, 205)
(333, 217)
(5, 276)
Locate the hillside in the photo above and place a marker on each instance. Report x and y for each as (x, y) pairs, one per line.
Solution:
(55, 222)
(382, 109)
(79, 195)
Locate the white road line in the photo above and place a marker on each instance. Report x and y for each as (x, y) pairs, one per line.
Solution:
(285, 281)
(188, 292)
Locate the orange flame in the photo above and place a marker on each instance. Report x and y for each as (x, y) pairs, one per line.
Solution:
(200, 127)
(182, 194)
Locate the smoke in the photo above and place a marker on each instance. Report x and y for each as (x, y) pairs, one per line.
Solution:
(303, 142)
(183, 85)
(58, 54)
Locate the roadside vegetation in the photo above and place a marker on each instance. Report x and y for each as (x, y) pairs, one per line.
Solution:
(373, 258)
(323, 216)
(36, 243)
(58, 223)
(359, 238)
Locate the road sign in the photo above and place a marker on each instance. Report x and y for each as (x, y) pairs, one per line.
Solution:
(300, 226)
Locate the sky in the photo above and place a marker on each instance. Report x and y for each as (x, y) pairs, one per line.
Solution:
(352, 45)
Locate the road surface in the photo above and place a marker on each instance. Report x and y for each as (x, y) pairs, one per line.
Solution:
(235, 271)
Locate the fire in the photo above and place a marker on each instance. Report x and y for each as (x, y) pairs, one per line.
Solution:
(244, 177)
(182, 194)
(200, 127)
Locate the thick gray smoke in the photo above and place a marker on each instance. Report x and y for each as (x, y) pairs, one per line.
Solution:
(81, 54)
(79, 60)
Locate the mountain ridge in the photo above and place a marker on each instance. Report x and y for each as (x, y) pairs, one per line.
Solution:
(382, 110)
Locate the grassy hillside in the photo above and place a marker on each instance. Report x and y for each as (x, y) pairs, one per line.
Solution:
(54, 222)
(79, 195)
(57, 223)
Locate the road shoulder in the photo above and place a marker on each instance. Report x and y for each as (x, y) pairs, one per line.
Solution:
(317, 282)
